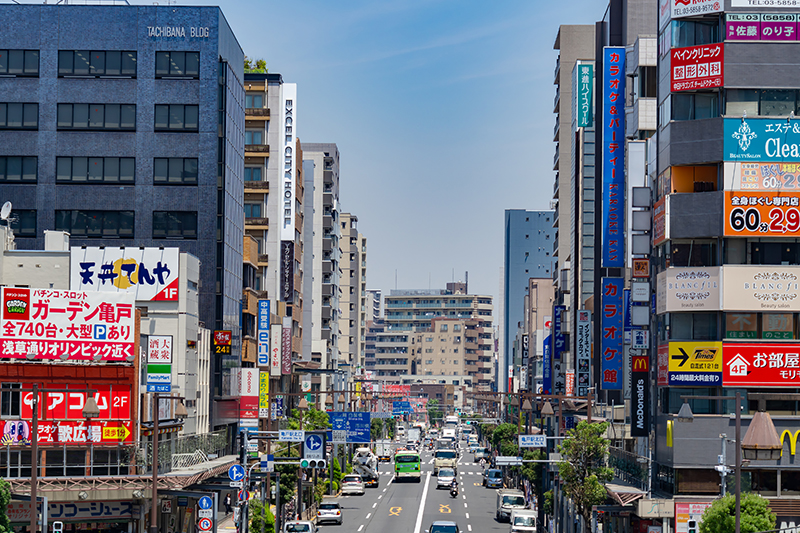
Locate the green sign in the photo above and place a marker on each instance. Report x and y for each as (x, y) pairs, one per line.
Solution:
(585, 85)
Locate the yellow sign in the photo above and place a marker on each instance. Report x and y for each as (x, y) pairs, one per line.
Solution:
(116, 433)
(695, 357)
(395, 511)
(444, 508)
(263, 394)
(792, 440)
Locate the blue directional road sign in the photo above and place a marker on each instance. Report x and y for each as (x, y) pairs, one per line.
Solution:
(314, 448)
(355, 424)
(205, 502)
(236, 473)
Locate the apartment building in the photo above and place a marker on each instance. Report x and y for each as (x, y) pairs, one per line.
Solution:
(353, 303)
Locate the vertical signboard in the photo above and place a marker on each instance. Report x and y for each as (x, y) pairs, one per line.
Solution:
(640, 395)
(286, 346)
(613, 188)
(559, 345)
(249, 394)
(525, 361)
(583, 345)
(276, 339)
(547, 377)
(263, 394)
(159, 363)
(612, 334)
(287, 271)
(289, 130)
(585, 95)
(263, 333)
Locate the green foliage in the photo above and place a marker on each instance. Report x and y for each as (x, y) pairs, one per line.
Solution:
(487, 430)
(261, 518)
(533, 471)
(259, 65)
(376, 429)
(391, 423)
(504, 434)
(548, 503)
(721, 516)
(583, 470)
(337, 471)
(312, 419)
(5, 497)
(434, 411)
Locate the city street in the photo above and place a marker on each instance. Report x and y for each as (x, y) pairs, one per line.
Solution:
(410, 507)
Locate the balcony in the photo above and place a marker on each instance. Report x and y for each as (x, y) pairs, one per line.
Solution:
(263, 259)
(256, 150)
(256, 187)
(555, 159)
(256, 223)
(557, 101)
(254, 113)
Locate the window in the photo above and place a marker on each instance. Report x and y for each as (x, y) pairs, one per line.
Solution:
(178, 65)
(252, 210)
(693, 33)
(253, 137)
(23, 222)
(741, 101)
(695, 106)
(175, 171)
(764, 102)
(95, 224)
(18, 116)
(443, 327)
(113, 170)
(693, 326)
(10, 399)
(648, 82)
(254, 101)
(108, 63)
(174, 224)
(778, 102)
(119, 117)
(176, 117)
(18, 169)
(19, 62)
(252, 174)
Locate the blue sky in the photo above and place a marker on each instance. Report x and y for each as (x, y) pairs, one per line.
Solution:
(442, 111)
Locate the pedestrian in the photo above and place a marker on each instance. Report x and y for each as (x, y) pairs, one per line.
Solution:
(228, 509)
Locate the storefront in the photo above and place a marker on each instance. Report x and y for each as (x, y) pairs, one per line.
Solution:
(95, 516)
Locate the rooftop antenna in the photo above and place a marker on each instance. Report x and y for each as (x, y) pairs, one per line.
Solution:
(5, 211)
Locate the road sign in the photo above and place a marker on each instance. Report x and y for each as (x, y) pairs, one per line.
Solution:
(236, 484)
(356, 426)
(380, 415)
(532, 441)
(268, 463)
(205, 513)
(236, 473)
(242, 495)
(205, 502)
(314, 447)
(289, 435)
(204, 524)
(507, 460)
(339, 436)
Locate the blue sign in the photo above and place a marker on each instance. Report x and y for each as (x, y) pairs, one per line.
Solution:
(626, 302)
(532, 441)
(612, 334)
(613, 183)
(559, 340)
(547, 378)
(399, 408)
(236, 472)
(277, 407)
(761, 139)
(205, 502)
(356, 424)
(263, 333)
(163, 387)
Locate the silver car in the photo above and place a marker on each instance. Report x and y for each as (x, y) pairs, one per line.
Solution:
(352, 484)
(445, 478)
(329, 512)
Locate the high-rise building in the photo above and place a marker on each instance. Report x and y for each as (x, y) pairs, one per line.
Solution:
(529, 237)
(353, 301)
(131, 133)
(373, 304)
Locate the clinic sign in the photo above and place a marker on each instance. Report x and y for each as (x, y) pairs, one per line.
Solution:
(697, 67)
(761, 139)
(613, 153)
(150, 274)
(761, 26)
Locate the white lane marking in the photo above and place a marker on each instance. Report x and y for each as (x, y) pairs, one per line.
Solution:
(384, 490)
(467, 515)
(469, 528)
(370, 514)
(418, 525)
(465, 497)
(465, 505)
(374, 505)
(362, 527)
(381, 496)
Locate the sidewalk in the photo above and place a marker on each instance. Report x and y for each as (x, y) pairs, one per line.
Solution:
(226, 524)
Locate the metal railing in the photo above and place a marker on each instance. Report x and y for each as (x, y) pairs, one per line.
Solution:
(184, 451)
(629, 467)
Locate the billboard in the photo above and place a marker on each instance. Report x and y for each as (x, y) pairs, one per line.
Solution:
(640, 395)
(743, 176)
(697, 67)
(696, 363)
(761, 364)
(159, 363)
(73, 325)
(762, 214)
(688, 289)
(150, 274)
(612, 334)
(761, 26)
(690, 8)
(249, 392)
(613, 177)
(547, 361)
(263, 394)
(275, 351)
(263, 333)
(288, 125)
(761, 139)
(761, 287)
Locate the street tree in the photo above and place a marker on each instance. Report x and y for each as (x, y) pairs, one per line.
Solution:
(434, 411)
(583, 469)
(504, 435)
(376, 429)
(261, 518)
(755, 515)
(5, 497)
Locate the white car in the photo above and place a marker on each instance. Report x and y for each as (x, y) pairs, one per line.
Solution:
(352, 484)
(329, 512)
(445, 477)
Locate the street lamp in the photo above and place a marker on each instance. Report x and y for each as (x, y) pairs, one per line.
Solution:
(761, 442)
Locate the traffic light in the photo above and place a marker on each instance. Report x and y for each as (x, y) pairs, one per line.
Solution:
(692, 526)
(243, 447)
(312, 463)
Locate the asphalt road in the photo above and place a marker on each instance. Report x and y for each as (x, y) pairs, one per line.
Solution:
(409, 507)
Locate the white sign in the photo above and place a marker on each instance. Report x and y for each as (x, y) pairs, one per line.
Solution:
(205, 513)
(640, 339)
(502, 460)
(682, 8)
(159, 349)
(236, 484)
(532, 441)
(275, 350)
(248, 386)
(688, 289)
(640, 291)
(290, 435)
(165, 32)
(339, 436)
(765, 3)
(150, 274)
(288, 127)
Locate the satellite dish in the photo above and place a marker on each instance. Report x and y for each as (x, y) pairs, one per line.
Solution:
(5, 211)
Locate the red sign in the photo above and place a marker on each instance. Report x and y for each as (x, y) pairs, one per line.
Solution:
(222, 337)
(286, 351)
(114, 403)
(663, 365)
(18, 432)
(697, 67)
(760, 365)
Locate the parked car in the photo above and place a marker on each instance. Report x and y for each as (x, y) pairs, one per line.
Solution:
(445, 477)
(329, 512)
(352, 484)
(443, 526)
(493, 479)
(299, 526)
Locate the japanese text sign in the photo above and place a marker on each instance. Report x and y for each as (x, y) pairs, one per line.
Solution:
(697, 67)
(149, 273)
(547, 358)
(559, 339)
(689, 512)
(159, 349)
(18, 433)
(222, 341)
(761, 176)
(761, 365)
(286, 347)
(761, 139)
(276, 340)
(114, 402)
(762, 214)
(583, 346)
(263, 394)
(690, 8)
(613, 182)
(585, 85)
(263, 333)
(761, 27)
(80, 511)
(356, 425)
(612, 334)
(79, 325)
(695, 363)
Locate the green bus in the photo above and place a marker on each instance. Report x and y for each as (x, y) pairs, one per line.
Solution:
(407, 464)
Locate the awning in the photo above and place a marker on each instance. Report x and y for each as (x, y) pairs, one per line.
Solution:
(624, 494)
(146, 428)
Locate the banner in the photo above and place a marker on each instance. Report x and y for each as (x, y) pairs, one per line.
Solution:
(613, 177)
(761, 139)
(286, 346)
(612, 332)
(640, 396)
(74, 325)
(276, 339)
(761, 27)
(697, 67)
(762, 214)
(150, 274)
(697, 363)
(662, 366)
(263, 394)
(288, 138)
